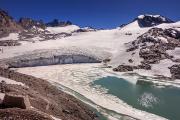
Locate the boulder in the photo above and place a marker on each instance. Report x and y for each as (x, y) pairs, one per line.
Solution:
(172, 33)
(123, 68)
(175, 71)
(16, 101)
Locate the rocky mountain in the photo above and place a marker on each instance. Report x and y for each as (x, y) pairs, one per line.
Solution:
(28, 23)
(7, 24)
(151, 20)
(30, 30)
(57, 23)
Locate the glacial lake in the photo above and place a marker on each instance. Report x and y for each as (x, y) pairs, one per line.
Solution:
(162, 101)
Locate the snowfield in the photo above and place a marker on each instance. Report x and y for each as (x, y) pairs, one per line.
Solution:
(104, 40)
(66, 29)
(12, 36)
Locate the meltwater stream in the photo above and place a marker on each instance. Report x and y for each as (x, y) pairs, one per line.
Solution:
(162, 101)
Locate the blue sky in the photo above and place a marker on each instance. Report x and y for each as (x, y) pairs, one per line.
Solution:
(95, 13)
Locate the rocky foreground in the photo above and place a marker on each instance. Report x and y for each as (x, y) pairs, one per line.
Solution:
(152, 47)
(45, 100)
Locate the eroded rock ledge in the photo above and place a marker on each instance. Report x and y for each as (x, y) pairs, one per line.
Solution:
(56, 56)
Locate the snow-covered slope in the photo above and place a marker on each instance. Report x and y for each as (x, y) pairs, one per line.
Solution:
(66, 29)
(155, 50)
(12, 36)
(134, 26)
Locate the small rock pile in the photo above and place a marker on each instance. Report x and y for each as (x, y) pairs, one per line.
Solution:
(123, 68)
(9, 43)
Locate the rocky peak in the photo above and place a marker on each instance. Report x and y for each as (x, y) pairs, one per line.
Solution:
(7, 24)
(5, 19)
(28, 23)
(56, 22)
(151, 20)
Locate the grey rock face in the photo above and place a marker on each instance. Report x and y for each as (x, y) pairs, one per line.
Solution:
(175, 71)
(58, 23)
(28, 23)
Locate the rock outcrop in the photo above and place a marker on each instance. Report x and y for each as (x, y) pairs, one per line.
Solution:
(9, 43)
(28, 23)
(86, 29)
(57, 23)
(153, 44)
(175, 71)
(152, 20)
(7, 24)
(123, 68)
(152, 47)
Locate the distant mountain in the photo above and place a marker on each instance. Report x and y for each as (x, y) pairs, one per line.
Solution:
(151, 20)
(145, 21)
(58, 23)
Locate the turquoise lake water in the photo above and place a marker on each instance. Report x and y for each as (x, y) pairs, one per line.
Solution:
(164, 101)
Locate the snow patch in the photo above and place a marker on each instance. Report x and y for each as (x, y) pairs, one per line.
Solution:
(12, 36)
(9, 81)
(55, 118)
(141, 16)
